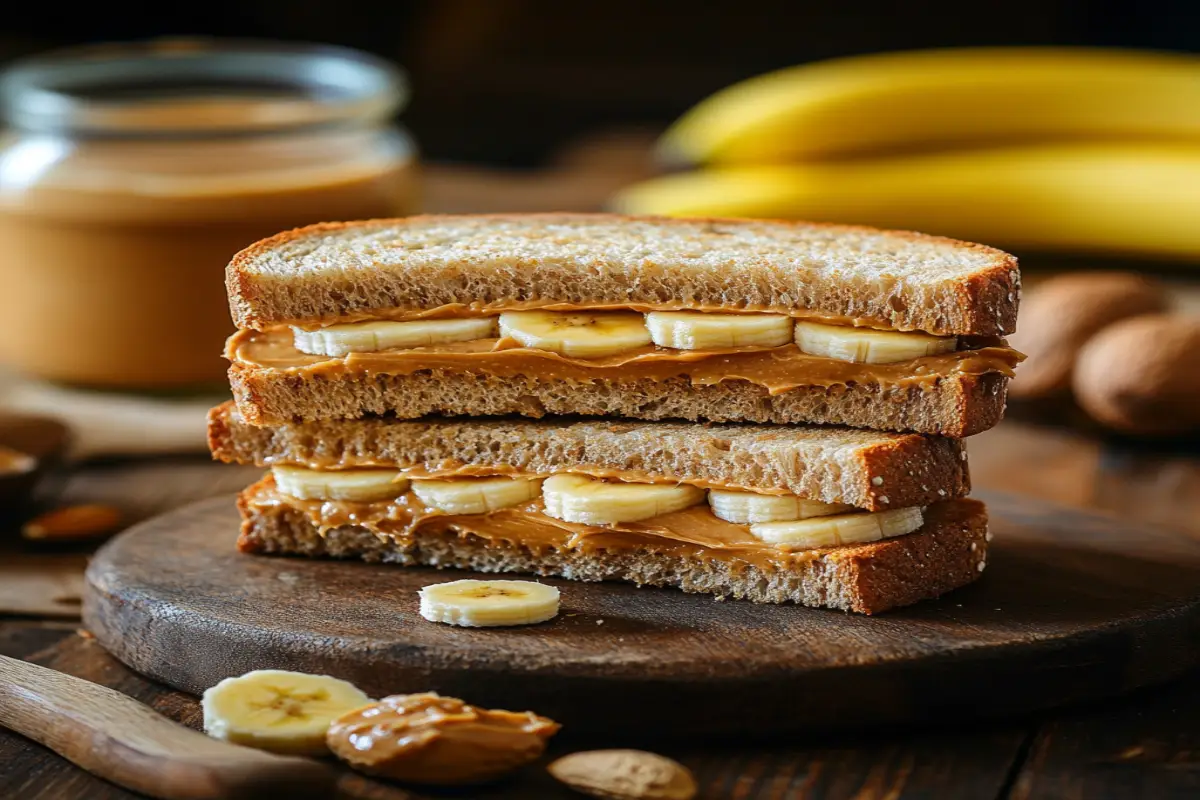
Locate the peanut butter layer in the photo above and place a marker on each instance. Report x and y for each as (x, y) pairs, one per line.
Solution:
(693, 533)
(778, 369)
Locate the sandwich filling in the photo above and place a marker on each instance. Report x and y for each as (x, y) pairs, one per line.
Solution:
(770, 350)
(582, 512)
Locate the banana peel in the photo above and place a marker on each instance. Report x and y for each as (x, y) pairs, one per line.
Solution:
(941, 99)
(1121, 199)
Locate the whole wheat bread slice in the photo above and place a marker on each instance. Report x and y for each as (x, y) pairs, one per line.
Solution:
(876, 471)
(949, 551)
(956, 406)
(891, 279)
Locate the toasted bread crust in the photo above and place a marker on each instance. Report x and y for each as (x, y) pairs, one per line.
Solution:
(955, 406)
(946, 553)
(876, 471)
(978, 299)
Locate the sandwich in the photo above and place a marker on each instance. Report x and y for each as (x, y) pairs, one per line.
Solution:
(425, 392)
(856, 520)
(640, 318)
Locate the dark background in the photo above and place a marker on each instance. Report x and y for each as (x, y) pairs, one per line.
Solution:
(506, 81)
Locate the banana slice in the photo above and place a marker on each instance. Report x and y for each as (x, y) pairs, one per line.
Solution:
(867, 346)
(594, 335)
(694, 330)
(487, 604)
(575, 498)
(746, 507)
(370, 337)
(809, 534)
(284, 712)
(476, 495)
(342, 484)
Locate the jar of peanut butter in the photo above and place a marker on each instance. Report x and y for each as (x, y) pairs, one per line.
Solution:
(130, 174)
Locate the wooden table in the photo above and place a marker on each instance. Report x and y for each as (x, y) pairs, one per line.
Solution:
(1147, 745)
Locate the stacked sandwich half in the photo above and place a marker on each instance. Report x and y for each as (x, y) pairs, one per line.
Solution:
(769, 411)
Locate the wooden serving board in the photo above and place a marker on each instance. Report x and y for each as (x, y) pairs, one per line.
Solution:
(1073, 606)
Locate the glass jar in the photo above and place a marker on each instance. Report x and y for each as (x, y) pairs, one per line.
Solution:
(131, 174)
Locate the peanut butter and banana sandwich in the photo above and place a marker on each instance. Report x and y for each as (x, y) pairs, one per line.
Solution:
(739, 354)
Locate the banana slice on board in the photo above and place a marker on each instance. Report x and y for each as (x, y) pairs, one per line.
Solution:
(488, 604)
(591, 501)
(868, 346)
(746, 507)
(342, 484)
(371, 337)
(284, 712)
(579, 335)
(694, 330)
(476, 495)
(809, 534)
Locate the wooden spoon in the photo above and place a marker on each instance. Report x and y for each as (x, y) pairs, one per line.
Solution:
(121, 740)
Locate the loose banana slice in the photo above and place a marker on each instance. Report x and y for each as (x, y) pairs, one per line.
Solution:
(487, 604)
(746, 507)
(343, 484)
(370, 337)
(694, 330)
(284, 712)
(809, 534)
(476, 495)
(575, 498)
(584, 335)
(867, 346)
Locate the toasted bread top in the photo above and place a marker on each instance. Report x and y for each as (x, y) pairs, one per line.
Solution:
(889, 279)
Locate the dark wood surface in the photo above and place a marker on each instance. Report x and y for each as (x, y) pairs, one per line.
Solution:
(111, 735)
(1075, 606)
(1142, 745)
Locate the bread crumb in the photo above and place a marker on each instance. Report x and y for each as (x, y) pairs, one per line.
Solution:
(974, 547)
(941, 492)
(884, 499)
(599, 622)
(877, 481)
(982, 567)
(987, 537)
(964, 455)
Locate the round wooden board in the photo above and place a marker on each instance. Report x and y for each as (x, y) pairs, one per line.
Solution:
(1073, 606)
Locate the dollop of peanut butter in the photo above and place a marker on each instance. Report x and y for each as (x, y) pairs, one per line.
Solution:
(427, 738)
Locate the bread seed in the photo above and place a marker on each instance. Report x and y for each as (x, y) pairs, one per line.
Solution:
(625, 775)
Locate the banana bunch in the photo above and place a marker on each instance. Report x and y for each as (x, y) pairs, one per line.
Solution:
(1081, 150)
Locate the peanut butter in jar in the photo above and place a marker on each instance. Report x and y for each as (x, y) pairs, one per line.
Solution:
(130, 175)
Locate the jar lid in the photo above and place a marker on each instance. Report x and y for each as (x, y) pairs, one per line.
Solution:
(198, 87)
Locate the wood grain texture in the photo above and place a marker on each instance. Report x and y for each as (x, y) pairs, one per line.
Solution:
(1146, 747)
(128, 743)
(915, 765)
(1073, 606)
(41, 584)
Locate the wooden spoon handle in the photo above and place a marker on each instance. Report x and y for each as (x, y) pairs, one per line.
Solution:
(123, 741)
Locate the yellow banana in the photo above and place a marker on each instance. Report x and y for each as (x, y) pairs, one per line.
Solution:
(1122, 199)
(937, 98)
